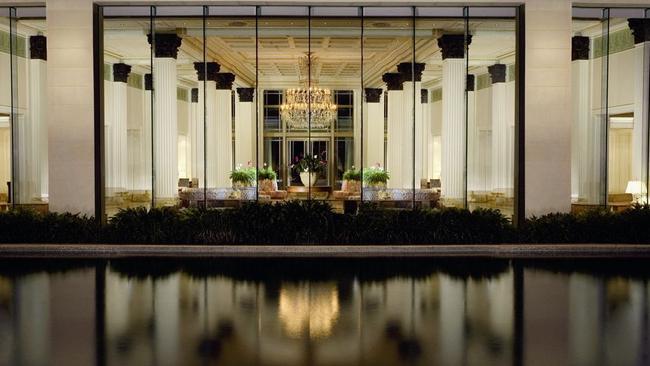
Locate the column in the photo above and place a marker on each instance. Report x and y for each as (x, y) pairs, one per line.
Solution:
(641, 31)
(37, 104)
(396, 121)
(145, 181)
(452, 175)
(373, 127)
(165, 118)
(196, 136)
(167, 319)
(424, 134)
(584, 150)
(452, 320)
(245, 127)
(206, 119)
(412, 157)
(116, 157)
(220, 162)
(502, 147)
(473, 143)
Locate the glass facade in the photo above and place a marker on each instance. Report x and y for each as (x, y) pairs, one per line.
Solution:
(23, 99)
(610, 78)
(400, 106)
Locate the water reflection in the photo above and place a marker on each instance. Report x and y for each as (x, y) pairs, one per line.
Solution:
(109, 314)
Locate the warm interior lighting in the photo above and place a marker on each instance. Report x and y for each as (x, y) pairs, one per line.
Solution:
(637, 189)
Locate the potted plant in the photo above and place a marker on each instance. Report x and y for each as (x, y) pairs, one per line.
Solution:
(351, 181)
(309, 168)
(375, 177)
(267, 179)
(242, 177)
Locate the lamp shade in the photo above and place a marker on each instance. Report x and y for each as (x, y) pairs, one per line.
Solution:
(636, 187)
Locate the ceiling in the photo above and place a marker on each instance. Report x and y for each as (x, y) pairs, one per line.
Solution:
(336, 43)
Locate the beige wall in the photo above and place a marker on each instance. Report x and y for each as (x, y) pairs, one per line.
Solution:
(548, 100)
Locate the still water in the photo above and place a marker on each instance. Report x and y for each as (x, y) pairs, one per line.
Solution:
(324, 312)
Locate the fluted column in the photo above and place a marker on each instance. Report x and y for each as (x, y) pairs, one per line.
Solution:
(396, 126)
(424, 134)
(583, 150)
(165, 126)
(453, 118)
(412, 76)
(145, 180)
(473, 150)
(207, 118)
(196, 136)
(373, 127)
(502, 147)
(641, 31)
(245, 126)
(117, 159)
(220, 160)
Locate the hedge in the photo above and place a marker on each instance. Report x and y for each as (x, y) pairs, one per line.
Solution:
(314, 222)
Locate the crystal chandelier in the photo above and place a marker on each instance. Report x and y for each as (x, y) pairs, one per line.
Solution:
(309, 106)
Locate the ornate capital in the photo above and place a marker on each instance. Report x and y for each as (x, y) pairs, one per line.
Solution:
(579, 48)
(194, 95)
(470, 82)
(148, 82)
(212, 70)
(497, 73)
(405, 69)
(453, 45)
(424, 96)
(166, 44)
(38, 48)
(246, 94)
(393, 80)
(640, 29)
(224, 80)
(121, 72)
(373, 95)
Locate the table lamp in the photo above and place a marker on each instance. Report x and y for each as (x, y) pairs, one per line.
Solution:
(637, 189)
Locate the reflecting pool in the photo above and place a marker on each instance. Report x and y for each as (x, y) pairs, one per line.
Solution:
(324, 312)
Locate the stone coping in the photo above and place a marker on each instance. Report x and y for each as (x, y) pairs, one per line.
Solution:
(557, 251)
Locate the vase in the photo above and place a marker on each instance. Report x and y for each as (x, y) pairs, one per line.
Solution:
(308, 179)
(351, 186)
(268, 185)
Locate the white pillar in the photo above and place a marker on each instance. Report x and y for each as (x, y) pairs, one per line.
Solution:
(502, 147)
(245, 127)
(37, 105)
(196, 136)
(396, 125)
(205, 121)
(117, 159)
(165, 126)
(412, 156)
(641, 31)
(145, 180)
(424, 135)
(453, 118)
(473, 144)
(357, 103)
(583, 152)
(219, 146)
(373, 127)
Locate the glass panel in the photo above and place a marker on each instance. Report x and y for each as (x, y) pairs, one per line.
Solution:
(6, 103)
(491, 114)
(127, 111)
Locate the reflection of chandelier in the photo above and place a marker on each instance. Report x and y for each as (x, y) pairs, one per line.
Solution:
(309, 106)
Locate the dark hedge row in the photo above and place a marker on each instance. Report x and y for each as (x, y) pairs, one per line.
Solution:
(315, 223)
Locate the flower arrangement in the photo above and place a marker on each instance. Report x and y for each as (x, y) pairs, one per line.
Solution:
(375, 176)
(351, 181)
(352, 175)
(309, 164)
(266, 173)
(243, 177)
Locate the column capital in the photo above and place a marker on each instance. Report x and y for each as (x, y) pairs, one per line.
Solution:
(453, 45)
(579, 48)
(212, 70)
(640, 29)
(121, 72)
(166, 44)
(393, 80)
(373, 95)
(38, 48)
(246, 94)
(148, 82)
(194, 95)
(497, 73)
(424, 96)
(224, 80)
(405, 69)
(470, 82)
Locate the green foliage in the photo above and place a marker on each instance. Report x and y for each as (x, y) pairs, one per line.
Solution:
(352, 174)
(266, 173)
(314, 222)
(375, 176)
(314, 164)
(244, 176)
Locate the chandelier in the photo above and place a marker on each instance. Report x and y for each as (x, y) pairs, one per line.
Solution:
(309, 106)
